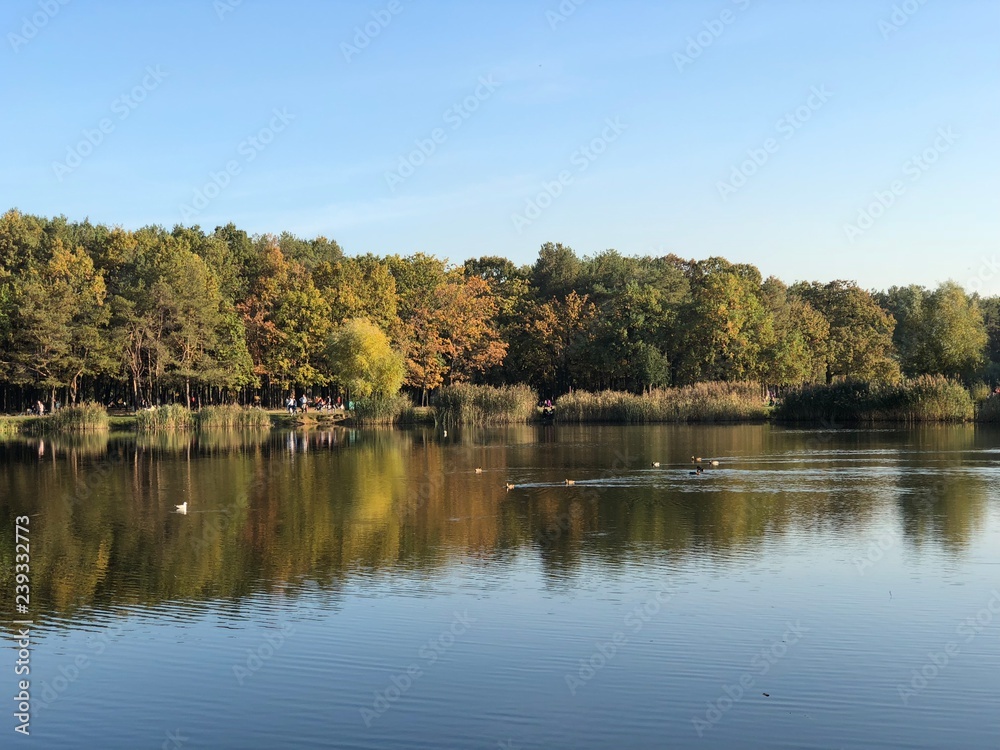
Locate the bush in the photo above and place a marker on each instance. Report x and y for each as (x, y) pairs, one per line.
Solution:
(382, 410)
(486, 405)
(701, 402)
(85, 417)
(161, 418)
(232, 417)
(928, 398)
(988, 410)
(10, 426)
(979, 391)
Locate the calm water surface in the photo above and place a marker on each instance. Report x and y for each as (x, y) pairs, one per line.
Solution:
(348, 589)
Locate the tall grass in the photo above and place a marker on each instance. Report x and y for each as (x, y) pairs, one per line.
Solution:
(486, 405)
(988, 410)
(85, 417)
(376, 410)
(928, 398)
(164, 419)
(701, 402)
(10, 426)
(232, 417)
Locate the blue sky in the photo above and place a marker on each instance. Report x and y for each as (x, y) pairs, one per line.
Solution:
(817, 140)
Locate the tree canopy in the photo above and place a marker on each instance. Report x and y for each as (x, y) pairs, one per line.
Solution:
(155, 314)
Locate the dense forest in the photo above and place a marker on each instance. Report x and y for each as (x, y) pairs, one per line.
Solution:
(146, 316)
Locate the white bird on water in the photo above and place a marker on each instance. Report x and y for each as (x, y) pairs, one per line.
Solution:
(182, 508)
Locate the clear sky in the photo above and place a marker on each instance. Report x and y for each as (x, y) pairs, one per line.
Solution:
(755, 130)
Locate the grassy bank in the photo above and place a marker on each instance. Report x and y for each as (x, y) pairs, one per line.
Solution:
(10, 426)
(486, 405)
(231, 418)
(703, 402)
(167, 418)
(86, 417)
(923, 399)
(175, 417)
(396, 410)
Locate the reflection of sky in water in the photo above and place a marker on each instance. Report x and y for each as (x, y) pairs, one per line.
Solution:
(343, 559)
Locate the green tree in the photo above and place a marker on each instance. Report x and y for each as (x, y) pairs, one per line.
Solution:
(361, 359)
(556, 273)
(358, 288)
(55, 322)
(860, 343)
(725, 325)
(797, 351)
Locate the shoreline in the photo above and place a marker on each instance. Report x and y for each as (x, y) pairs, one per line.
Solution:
(33, 426)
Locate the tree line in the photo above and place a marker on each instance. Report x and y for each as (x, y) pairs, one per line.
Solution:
(151, 315)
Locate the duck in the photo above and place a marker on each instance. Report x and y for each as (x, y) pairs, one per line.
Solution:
(696, 459)
(509, 486)
(655, 464)
(182, 508)
(479, 469)
(568, 482)
(714, 463)
(699, 471)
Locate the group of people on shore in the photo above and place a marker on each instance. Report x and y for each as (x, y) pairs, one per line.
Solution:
(304, 404)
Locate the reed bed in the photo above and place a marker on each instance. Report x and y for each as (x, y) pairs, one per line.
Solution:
(169, 418)
(988, 410)
(701, 402)
(393, 410)
(927, 398)
(232, 417)
(486, 405)
(85, 417)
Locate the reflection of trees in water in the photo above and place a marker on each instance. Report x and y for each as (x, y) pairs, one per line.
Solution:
(277, 509)
(943, 497)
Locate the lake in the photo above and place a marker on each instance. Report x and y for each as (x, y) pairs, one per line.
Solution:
(820, 588)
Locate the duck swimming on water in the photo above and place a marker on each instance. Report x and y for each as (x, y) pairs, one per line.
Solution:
(182, 508)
